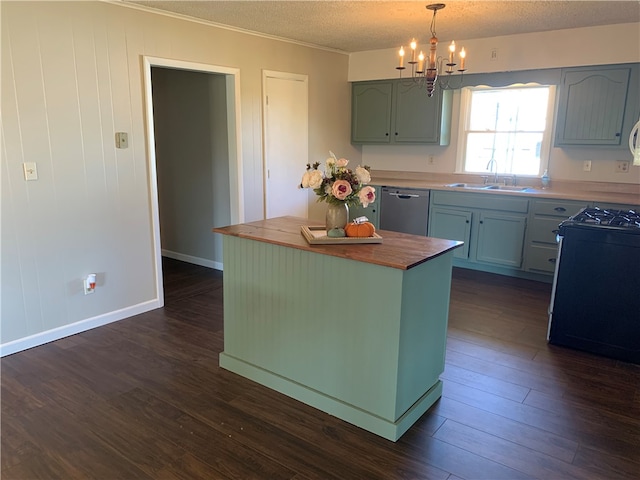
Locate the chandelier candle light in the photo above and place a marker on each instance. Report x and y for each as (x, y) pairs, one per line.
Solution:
(427, 70)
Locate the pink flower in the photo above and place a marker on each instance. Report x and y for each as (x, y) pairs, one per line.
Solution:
(342, 162)
(341, 189)
(367, 195)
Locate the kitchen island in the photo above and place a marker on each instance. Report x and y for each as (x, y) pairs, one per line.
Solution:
(357, 331)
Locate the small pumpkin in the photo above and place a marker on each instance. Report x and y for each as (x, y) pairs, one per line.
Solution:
(364, 229)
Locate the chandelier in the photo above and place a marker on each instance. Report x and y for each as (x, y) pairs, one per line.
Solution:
(428, 71)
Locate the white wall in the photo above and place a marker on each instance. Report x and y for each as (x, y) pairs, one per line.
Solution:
(561, 48)
(72, 77)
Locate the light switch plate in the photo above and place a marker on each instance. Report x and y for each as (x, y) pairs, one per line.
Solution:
(122, 140)
(30, 171)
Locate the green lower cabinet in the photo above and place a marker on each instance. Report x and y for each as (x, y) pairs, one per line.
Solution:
(541, 247)
(501, 239)
(493, 234)
(541, 258)
(453, 225)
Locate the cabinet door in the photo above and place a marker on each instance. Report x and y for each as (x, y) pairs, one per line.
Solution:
(452, 225)
(371, 112)
(416, 116)
(501, 239)
(591, 106)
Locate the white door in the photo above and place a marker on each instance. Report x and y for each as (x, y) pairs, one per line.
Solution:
(286, 139)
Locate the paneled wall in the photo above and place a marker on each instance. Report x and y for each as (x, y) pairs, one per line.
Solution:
(72, 77)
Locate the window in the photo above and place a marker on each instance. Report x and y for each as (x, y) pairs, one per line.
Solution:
(505, 130)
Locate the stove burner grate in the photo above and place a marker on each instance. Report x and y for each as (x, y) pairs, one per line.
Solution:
(606, 218)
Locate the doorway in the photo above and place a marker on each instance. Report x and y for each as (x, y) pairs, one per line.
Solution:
(226, 82)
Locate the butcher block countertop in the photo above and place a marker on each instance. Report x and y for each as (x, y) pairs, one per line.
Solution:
(397, 250)
(624, 193)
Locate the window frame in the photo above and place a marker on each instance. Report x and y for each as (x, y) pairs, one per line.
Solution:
(463, 127)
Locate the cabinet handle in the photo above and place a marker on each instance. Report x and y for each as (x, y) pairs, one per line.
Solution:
(617, 134)
(386, 134)
(560, 209)
(552, 260)
(467, 221)
(403, 195)
(396, 134)
(481, 221)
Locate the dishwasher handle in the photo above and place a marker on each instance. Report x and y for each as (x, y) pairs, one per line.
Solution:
(404, 195)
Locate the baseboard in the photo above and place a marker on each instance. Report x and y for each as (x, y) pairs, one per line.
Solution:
(77, 327)
(203, 262)
(386, 428)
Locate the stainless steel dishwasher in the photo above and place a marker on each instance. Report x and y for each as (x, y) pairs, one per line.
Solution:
(404, 210)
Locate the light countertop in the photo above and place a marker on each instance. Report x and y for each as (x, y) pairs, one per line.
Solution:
(628, 194)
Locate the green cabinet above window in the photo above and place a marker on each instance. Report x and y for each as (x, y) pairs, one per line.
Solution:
(591, 106)
(399, 112)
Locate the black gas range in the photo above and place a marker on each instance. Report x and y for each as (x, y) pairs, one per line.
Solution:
(595, 301)
(627, 220)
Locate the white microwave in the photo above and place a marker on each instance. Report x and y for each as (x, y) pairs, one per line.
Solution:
(634, 143)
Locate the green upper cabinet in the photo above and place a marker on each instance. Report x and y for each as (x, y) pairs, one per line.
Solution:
(399, 112)
(591, 106)
(371, 112)
(418, 118)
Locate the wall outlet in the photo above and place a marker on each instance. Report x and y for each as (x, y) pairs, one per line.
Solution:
(431, 160)
(622, 166)
(89, 284)
(586, 165)
(494, 54)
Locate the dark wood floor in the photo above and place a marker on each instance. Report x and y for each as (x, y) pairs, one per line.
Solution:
(145, 398)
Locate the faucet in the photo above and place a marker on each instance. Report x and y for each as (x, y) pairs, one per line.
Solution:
(493, 164)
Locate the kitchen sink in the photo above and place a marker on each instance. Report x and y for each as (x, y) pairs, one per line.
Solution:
(483, 186)
(467, 185)
(511, 188)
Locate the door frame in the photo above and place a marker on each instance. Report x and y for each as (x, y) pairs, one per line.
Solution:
(236, 200)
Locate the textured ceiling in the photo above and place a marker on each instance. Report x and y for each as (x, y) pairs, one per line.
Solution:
(353, 26)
